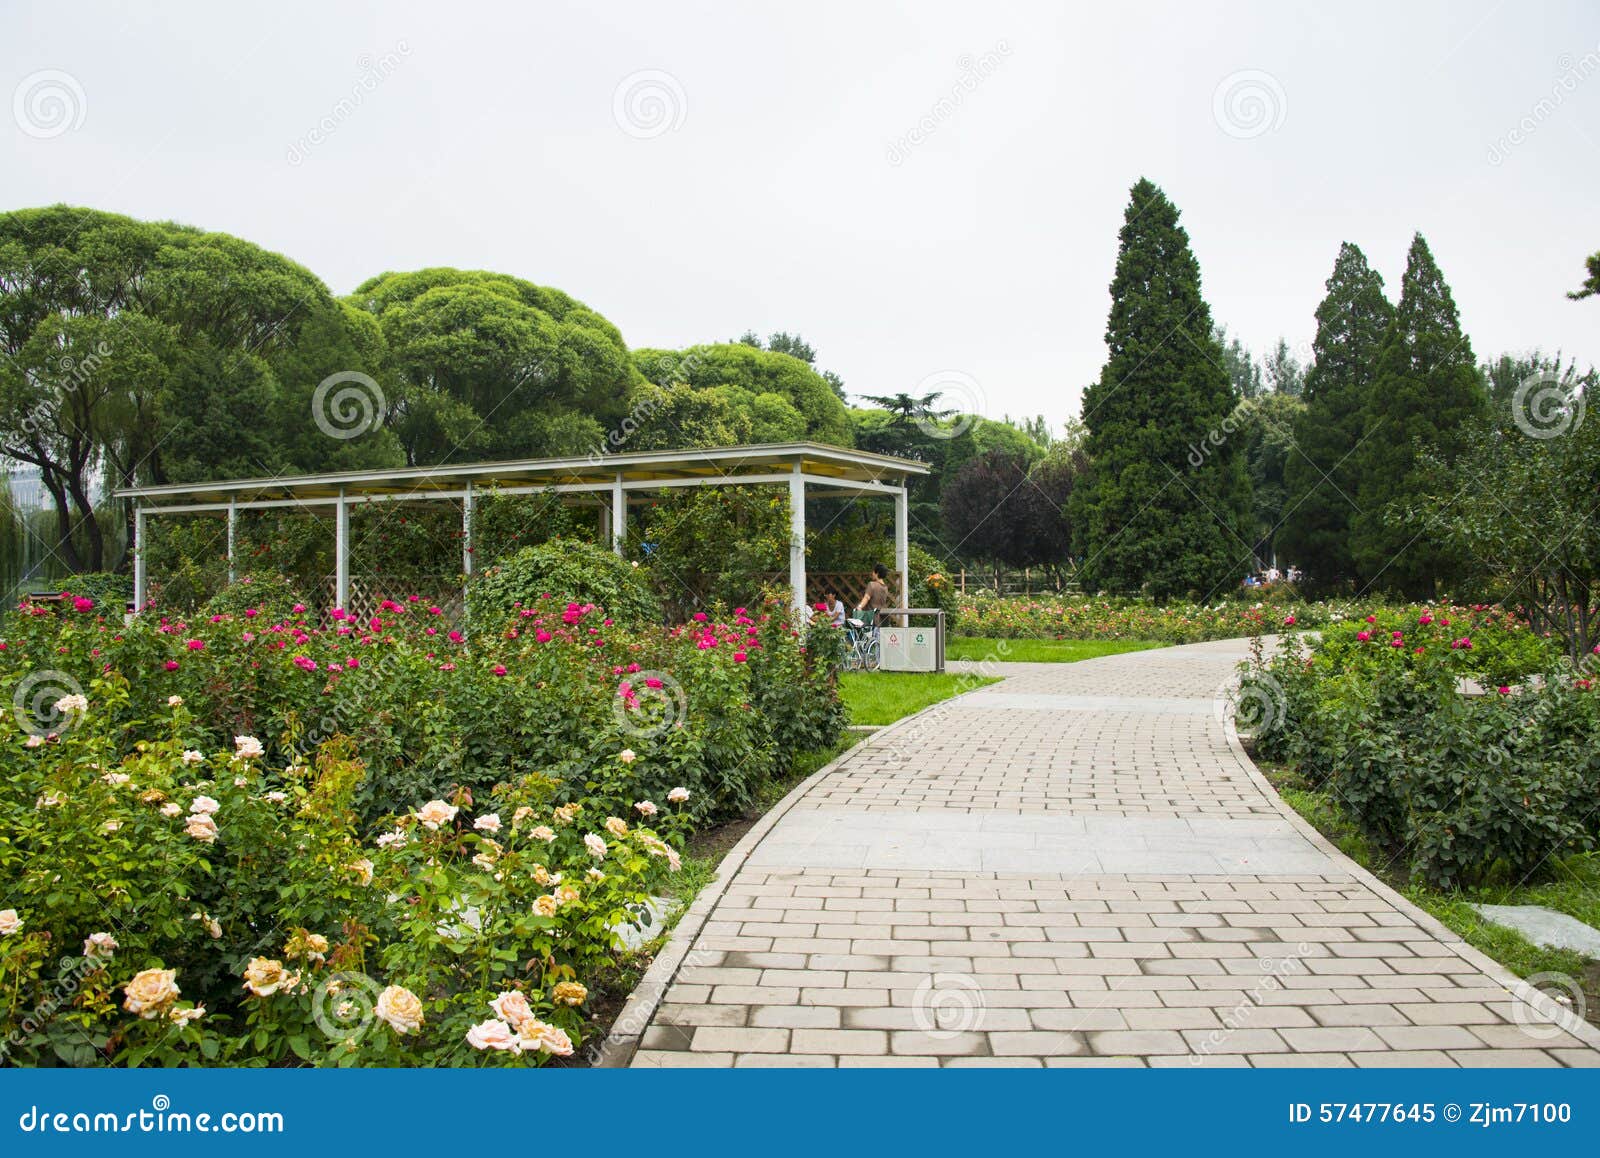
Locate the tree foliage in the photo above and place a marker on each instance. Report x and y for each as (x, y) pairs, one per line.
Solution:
(1004, 507)
(1147, 517)
(1427, 394)
(1321, 473)
(491, 366)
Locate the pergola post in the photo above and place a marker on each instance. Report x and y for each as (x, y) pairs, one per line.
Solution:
(466, 530)
(138, 560)
(619, 515)
(233, 523)
(341, 552)
(902, 546)
(797, 540)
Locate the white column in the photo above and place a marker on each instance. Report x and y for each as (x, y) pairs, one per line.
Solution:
(902, 548)
(233, 523)
(341, 552)
(619, 515)
(605, 523)
(466, 530)
(797, 541)
(138, 560)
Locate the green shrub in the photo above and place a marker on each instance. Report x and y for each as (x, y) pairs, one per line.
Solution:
(566, 570)
(269, 596)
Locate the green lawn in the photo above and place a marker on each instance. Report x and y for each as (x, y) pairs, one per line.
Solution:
(882, 697)
(1040, 650)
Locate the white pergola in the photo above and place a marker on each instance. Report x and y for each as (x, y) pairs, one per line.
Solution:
(827, 470)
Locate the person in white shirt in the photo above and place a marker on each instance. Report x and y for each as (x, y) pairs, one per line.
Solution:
(836, 611)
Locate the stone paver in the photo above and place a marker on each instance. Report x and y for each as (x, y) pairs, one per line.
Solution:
(1074, 866)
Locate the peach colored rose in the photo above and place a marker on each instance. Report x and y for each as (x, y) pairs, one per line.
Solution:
(569, 993)
(492, 1034)
(436, 813)
(151, 992)
(512, 1006)
(9, 922)
(400, 1008)
(264, 977)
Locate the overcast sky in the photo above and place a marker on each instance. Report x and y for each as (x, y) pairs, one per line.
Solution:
(917, 188)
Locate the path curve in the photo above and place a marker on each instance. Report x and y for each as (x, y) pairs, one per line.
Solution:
(1078, 865)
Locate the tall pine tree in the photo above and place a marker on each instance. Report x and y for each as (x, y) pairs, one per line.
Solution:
(1321, 473)
(1166, 506)
(1427, 392)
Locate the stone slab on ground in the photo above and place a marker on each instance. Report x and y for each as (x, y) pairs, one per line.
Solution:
(1546, 927)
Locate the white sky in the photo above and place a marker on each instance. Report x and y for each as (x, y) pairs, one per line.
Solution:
(769, 200)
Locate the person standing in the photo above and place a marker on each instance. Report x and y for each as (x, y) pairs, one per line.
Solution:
(877, 595)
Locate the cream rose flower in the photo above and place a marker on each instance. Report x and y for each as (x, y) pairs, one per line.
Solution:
(71, 705)
(192, 757)
(489, 822)
(646, 808)
(400, 1008)
(627, 756)
(151, 992)
(595, 875)
(263, 977)
(116, 779)
(534, 1034)
(390, 839)
(436, 813)
(677, 795)
(546, 905)
(182, 1017)
(247, 748)
(544, 832)
(567, 813)
(172, 809)
(492, 1034)
(174, 701)
(595, 845)
(521, 814)
(102, 945)
(363, 870)
(203, 806)
(111, 825)
(569, 993)
(566, 894)
(616, 826)
(202, 828)
(9, 922)
(512, 1006)
(276, 797)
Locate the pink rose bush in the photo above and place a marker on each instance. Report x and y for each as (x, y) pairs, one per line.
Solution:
(1462, 745)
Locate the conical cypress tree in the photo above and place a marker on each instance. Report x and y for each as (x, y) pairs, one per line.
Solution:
(1427, 391)
(1321, 473)
(1166, 504)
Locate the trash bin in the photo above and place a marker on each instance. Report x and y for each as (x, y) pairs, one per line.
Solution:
(905, 645)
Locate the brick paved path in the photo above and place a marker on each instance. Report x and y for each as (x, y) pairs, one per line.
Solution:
(1075, 866)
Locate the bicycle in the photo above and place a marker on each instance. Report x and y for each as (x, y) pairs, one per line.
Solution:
(862, 654)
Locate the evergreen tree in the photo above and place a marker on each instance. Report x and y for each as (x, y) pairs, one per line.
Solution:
(1166, 506)
(1321, 473)
(1427, 395)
